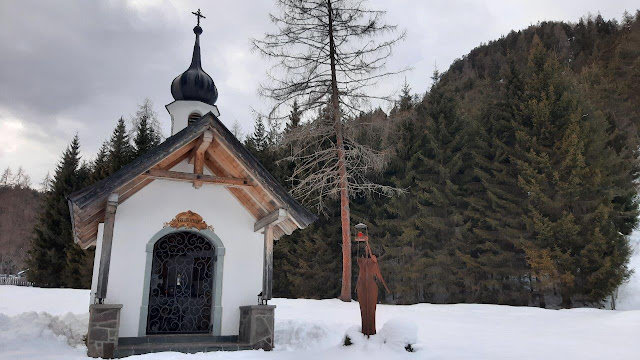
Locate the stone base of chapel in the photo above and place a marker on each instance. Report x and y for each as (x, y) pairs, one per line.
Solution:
(256, 332)
(102, 337)
(257, 325)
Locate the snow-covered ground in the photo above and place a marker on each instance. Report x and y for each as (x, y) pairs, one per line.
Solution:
(314, 329)
(50, 324)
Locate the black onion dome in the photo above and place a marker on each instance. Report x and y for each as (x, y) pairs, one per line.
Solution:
(195, 83)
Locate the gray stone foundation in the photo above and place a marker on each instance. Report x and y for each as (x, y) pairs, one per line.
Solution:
(256, 326)
(102, 338)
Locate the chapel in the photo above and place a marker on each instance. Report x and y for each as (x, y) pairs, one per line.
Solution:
(184, 237)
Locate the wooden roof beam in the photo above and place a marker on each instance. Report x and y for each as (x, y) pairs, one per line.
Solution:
(225, 163)
(272, 219)
(218, 167)
(209, 179)
(198, 166)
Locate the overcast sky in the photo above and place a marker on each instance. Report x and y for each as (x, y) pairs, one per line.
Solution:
(71, 67)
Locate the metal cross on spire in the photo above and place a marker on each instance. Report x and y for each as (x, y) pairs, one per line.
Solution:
(199, 15)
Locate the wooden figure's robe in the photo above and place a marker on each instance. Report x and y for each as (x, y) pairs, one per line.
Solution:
(367, 290)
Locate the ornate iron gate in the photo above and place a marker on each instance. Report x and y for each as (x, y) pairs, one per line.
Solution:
(181, 285)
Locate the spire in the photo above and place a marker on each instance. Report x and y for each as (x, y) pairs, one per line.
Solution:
(195, 83)
(195, 60)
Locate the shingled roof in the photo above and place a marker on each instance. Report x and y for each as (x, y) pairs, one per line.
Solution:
(226, 157)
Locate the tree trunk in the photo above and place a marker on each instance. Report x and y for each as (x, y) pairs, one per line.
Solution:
(345, 293)
(566, 300)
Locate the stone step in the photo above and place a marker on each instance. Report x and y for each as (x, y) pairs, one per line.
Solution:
(176, 338)
(183, 347)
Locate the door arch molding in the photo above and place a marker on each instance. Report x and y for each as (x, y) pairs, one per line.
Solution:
(216, 311)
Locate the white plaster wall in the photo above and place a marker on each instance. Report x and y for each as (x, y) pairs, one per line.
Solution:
(181, 109)
(144, 214)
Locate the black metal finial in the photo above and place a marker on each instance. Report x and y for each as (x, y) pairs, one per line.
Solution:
(199, 15)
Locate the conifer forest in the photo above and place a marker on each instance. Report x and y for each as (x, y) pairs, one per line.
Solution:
(514, 176)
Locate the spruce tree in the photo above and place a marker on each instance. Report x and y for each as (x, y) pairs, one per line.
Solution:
(312, 260)
(101, 165)
(147, 129)
(433, 227)
(406, 100)
(294, 118)
(496, 263)
(47, 258)
(144, 139)
(258, 140)
(79, 263)
(120, 150)
(572, 178)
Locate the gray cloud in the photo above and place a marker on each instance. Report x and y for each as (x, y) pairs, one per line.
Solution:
(77, 66)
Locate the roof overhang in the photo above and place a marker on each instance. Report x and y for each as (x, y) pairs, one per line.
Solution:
(231, 164)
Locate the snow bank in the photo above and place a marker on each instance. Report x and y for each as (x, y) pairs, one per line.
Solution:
(399, 333)
(42, 335)
(70, 328)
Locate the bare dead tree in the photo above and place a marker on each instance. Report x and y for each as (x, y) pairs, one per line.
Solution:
(21, 180)
(329, 53)
(147, 112)
(7, 177)
(236, 130)
(47, 182)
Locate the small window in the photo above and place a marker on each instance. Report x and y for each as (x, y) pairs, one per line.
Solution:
(193, 117)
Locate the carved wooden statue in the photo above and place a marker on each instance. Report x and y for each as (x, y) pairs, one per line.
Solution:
(367, 288)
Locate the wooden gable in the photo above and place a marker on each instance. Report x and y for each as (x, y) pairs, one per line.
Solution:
(207, 144)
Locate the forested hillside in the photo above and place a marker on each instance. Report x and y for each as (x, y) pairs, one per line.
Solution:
(19, 208)
(517, 169)
(519, 165)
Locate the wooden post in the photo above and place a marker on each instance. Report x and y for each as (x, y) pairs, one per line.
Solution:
(267, 272)
(198, 165)
(105, 255)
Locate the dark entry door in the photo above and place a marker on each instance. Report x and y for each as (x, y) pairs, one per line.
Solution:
(180, 297)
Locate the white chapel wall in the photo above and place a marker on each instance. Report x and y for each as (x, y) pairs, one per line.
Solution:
(144, 214)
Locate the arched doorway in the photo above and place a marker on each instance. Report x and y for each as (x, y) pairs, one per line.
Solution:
(181, 286)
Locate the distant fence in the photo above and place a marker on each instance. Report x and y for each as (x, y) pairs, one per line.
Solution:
(15, 281)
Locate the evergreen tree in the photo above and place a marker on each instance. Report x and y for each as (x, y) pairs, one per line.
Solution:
(496, 263)
(120, 150)
(572, 178)
(258, 141)
(147, 129)
(145, 138)
(433, 228)
(311, 262)
(101, 166)
(406, 100)
(294, 117)
(47, 258)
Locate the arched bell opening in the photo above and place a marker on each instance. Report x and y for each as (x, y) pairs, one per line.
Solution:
(193, 117)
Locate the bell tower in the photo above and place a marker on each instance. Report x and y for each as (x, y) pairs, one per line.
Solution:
(194, 91)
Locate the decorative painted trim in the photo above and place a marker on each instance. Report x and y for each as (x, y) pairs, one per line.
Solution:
(216, 312)
(189, 220)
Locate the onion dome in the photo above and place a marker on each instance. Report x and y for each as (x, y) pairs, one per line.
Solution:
(195, 83)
